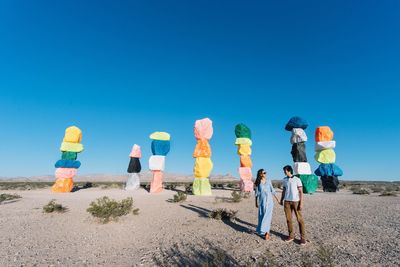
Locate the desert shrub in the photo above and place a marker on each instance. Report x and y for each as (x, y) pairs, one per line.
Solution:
(106, 209)
(377, 189)
(179, 197)
(24, 185)
(246, 195)
(230, 185)
(188, 188)
(169, 186)
(7, 197)
(112, 185)
(208, 255)
(236, 196)
(388, 194)
(361, 191)
(358, 190)
(239, 196)
(223, 214)
(53, 206)
(325, 256)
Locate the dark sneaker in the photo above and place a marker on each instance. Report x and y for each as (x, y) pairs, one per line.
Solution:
(303, 242)
(289, 239)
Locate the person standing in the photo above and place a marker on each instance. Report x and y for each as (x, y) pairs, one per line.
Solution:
(264, 202)
(292, 200)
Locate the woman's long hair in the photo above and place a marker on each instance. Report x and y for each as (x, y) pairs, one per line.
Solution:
(259, 177)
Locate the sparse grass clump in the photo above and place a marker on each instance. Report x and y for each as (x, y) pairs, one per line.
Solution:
(358, 190)
(52, 206)
(179, 197)
(377, 189)
(223, 214)
(230, 185)
(325, 256)
(106, 209)
(170, 186)
(8, 197)
(24, 185)
(236, 196)
(388, 194)
(116, 185)
(239, 196)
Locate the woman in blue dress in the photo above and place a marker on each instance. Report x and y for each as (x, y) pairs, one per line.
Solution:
(264, 202)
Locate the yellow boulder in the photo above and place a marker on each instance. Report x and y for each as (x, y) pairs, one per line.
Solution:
(73, 135)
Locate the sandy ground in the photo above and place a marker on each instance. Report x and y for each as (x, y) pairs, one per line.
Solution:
(354, 231)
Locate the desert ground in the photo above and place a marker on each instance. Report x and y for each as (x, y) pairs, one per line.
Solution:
(343, 229)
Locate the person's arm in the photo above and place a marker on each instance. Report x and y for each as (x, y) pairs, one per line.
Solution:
(301, 197)
(283, 195)
(273, 191)
(256, 191)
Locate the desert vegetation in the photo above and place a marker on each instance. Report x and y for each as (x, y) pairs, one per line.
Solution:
(53, 206)
(106, 209)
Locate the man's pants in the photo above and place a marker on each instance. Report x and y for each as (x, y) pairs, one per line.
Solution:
(289, 207)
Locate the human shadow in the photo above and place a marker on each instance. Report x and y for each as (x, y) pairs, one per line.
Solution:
(5, 202)
(204, 213)
(278, 234)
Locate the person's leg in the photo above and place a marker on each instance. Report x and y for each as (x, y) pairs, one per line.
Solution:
(300, 220)
(288, 213)
(260, 220)
(268, 217)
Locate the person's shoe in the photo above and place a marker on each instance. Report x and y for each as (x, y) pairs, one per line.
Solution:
(267, 236)
(289, 239)
(303, 242)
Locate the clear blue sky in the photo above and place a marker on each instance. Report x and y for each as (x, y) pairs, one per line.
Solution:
(120, 70)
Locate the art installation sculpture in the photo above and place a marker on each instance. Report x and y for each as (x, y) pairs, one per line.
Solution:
(203, 131)
(160, 147)
(66, 168)
(326, 156)
(244, 143)
(134, 169)
(301, 167)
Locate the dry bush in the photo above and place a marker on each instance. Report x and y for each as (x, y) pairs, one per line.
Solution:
(24, 185)
(106, 209)
(377, 189)
(223, 214)
(388, 194)
(52, 206)
(8, 197)
(358, 190)
(188, 188)
(325, 256)
(170, 186)
(236, 196)
(179, 197)
(239, 196)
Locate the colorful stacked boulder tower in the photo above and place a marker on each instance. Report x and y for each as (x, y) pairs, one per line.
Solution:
(134, 169)
(244, 143)
(203, 131)
(326, 156)
(301, 167)
(160, 146)
(66, 167)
